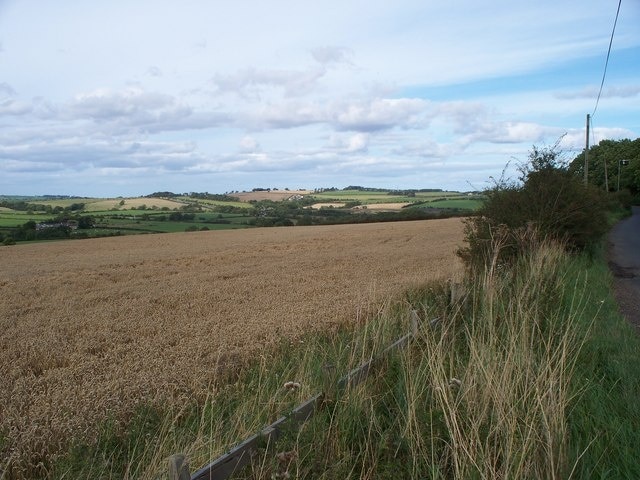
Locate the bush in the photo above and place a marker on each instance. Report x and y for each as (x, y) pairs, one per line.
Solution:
(548, 202)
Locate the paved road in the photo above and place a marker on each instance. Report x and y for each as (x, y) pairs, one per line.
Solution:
(624, 261)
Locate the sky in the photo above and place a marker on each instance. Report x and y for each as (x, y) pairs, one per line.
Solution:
(126, 98)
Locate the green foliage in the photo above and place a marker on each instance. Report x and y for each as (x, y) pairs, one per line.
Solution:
(548, 199)
(610, 153)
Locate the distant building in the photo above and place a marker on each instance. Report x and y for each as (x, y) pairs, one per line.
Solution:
(72, 224)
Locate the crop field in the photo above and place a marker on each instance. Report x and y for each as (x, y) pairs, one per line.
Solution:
(145, 221)
(129, 203)
(100, 204)
(90, 329)
(383, 200)
(273, 195)
(462, 202)
(369, 196)
(215, 203)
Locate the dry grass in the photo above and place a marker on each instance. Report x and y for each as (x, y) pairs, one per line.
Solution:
(89, 329)
(506, 396)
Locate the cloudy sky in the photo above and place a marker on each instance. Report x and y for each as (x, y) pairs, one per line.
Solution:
(125, 98)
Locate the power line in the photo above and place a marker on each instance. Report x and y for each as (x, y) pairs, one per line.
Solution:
(607, 61)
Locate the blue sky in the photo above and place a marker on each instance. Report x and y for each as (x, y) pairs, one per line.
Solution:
(125, 98)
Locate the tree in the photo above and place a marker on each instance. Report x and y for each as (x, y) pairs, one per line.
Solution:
(85, 221)
(610, 153)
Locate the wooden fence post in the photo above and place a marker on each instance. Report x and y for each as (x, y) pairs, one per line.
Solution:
(329, 383)
(179, 467)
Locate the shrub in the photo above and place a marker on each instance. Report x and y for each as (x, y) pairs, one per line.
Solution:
(548, 202)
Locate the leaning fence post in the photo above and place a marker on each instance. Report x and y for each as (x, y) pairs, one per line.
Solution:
(179, 467)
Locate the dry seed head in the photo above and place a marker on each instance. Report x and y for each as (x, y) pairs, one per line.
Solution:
(285, 474)
(287, 456)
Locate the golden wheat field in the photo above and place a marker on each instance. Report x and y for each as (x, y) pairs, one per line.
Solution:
(89, 329)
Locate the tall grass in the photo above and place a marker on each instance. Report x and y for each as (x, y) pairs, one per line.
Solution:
(490, 391)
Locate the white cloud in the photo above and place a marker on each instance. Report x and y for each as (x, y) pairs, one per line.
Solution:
(332, 55)
(154, 71)
(249, 144)
(252, 83)
(7, 90)
(106, 103)
(358, 142)
(10, 107)
(379, 114)
(616, 91)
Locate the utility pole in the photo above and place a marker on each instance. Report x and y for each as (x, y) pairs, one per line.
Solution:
(586, 155)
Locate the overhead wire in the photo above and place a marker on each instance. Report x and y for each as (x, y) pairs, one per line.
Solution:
(606, 64)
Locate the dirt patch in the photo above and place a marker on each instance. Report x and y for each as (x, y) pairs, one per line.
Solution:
(318, 206)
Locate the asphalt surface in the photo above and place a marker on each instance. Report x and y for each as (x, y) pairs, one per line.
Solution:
(624, 262)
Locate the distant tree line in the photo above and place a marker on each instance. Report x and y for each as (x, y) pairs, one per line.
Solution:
(267, 213)
(390, 192)
(221, 197)
(22, 206)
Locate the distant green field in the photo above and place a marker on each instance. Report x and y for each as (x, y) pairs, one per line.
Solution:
(462, 202)
(15, 219)
(134, 221)
(367, 196)
(160, 221)
(213, 203)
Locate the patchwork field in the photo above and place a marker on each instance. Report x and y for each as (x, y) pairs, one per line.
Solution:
(88, 329)
(273, 195)
(129, 203)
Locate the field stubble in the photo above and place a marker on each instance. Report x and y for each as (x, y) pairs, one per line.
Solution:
(89, 329)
